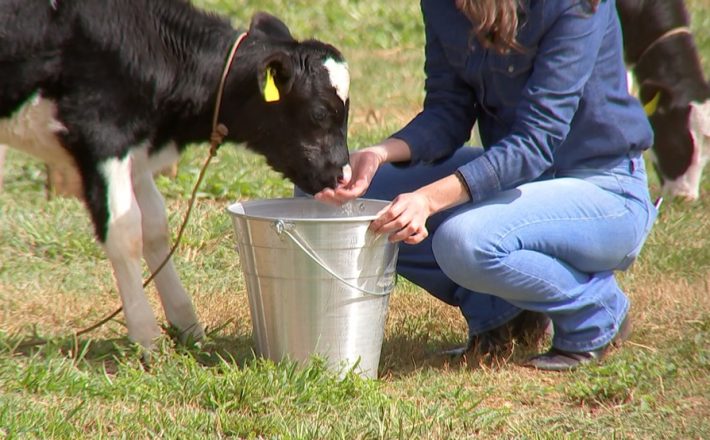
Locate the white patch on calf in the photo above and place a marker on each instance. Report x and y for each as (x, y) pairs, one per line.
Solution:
(33, 128)
(339, 77)
(699, 123)
(124, 215)
(688, 185)
(124, 241)
(120, 175)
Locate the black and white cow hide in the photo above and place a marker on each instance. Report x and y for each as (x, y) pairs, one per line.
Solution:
(117, 88)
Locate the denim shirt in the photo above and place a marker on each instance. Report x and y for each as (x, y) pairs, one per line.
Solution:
(561, 104)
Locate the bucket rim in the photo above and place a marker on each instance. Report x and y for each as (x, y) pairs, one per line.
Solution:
(236, 209)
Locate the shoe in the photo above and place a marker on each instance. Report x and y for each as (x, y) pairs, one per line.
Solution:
(528, 327)
(561, 360)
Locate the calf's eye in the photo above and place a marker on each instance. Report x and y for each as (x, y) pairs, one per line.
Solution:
(319, 114)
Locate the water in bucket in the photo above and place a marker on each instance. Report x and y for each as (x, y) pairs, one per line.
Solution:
(318, 280)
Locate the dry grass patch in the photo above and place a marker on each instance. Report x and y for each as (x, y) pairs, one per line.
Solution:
(381, 97)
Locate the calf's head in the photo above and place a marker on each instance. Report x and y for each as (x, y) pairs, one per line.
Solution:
(682, 138)
(297, 111)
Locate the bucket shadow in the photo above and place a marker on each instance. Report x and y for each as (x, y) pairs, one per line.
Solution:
(230, 348)
(402, 354)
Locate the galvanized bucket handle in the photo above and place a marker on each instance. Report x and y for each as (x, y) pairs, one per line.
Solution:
(285, 228)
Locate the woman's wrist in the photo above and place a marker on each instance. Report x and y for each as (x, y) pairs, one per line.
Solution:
(391, 150)
(445, 193)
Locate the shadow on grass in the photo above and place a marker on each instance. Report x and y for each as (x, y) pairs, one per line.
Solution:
(403, 355)
(213, 350)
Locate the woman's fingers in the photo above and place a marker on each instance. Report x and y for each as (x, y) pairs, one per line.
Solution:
(404, 219)
(342, 194)
(418, 237)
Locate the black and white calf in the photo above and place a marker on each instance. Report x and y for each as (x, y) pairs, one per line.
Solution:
(662, 55)
(117, 88)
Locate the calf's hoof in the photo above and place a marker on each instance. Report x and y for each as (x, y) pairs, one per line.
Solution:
(186, 335)
(146, 338)
(192, 334)
(145, 333)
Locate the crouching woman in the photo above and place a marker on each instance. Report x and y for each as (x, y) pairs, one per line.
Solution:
(532, 226)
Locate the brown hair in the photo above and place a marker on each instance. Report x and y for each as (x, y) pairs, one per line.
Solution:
(496, 21)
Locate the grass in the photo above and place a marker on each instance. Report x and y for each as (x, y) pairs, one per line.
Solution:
(54, 280)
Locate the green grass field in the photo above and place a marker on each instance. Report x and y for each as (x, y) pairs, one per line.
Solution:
(54, 280)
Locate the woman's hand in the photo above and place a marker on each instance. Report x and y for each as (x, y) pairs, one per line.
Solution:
(404, 218)
(364, 164)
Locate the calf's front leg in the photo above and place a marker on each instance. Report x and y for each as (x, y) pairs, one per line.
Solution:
(123, 245)
(175, 300)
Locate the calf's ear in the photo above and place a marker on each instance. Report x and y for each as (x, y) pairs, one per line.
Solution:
(655, 97)
(276, 75)
(267, 25)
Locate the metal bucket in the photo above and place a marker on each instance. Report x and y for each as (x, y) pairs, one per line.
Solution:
(318, 280)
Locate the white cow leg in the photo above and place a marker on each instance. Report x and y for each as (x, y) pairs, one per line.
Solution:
(175, 300)
(123, 246)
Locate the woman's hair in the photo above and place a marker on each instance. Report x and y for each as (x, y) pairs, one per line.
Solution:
(496, 21)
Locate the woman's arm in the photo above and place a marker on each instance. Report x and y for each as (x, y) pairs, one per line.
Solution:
(449, 110)
(405, 218)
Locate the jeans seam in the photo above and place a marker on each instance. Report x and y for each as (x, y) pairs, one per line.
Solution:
(615, 215)
(607, 337)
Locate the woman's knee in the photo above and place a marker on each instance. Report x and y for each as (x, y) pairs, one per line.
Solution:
(467, 254)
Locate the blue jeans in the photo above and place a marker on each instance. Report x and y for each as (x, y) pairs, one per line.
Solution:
(549, 246)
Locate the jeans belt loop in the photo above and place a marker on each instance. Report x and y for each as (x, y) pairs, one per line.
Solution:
(632, 162)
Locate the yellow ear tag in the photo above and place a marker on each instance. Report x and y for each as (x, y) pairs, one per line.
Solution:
(271, 93)
(651, 106)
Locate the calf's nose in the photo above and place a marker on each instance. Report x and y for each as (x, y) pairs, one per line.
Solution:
(345, 175)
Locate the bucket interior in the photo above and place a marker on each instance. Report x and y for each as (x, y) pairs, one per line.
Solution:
(307, 209)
